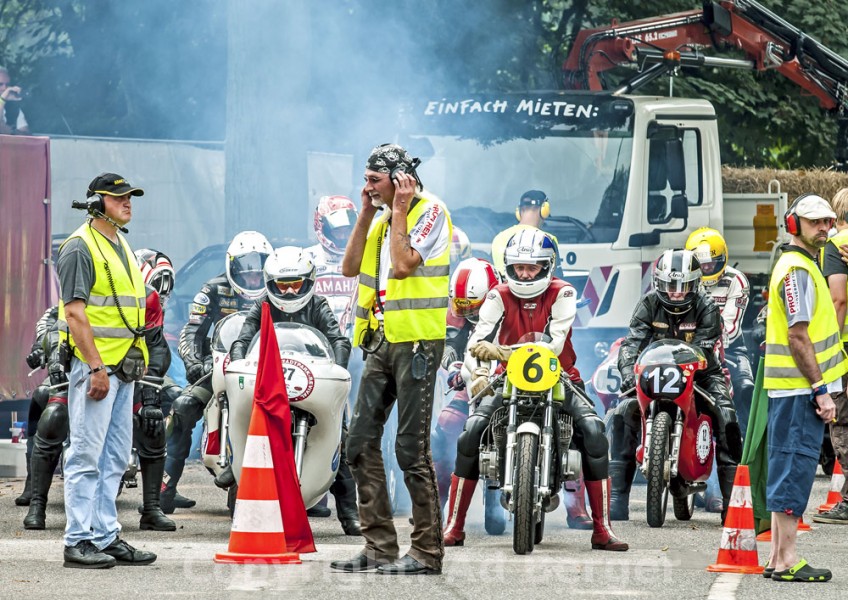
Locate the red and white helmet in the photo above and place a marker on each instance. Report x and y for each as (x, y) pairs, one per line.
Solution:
(469, 284)
(334, 220)
(157, 270)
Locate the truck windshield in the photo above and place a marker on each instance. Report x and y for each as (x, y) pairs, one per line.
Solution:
(482, 154)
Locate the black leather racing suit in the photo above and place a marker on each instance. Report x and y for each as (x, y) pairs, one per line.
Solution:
(215, 300)
(318, 314)
(700, 326)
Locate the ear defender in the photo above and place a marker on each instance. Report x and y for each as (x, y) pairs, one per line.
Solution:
(544, 210)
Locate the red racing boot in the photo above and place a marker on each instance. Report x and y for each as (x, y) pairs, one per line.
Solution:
(461, 492)
(603, 537)
(575, 507)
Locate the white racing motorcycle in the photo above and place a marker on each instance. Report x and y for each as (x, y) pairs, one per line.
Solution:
(317, 389)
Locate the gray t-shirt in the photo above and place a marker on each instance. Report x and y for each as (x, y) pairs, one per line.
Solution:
(75, 267)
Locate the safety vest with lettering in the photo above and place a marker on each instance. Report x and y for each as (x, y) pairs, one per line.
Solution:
(840, 239)
(416, 307)
(781, 371)
(111, 336)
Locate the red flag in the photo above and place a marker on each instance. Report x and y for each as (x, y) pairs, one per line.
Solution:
(270, 395)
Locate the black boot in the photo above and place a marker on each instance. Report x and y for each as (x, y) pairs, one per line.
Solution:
(26, 495)
(621, 477)
(726, 475)
(152, 517)
(42, 466)
(225, 479)
(344, 491)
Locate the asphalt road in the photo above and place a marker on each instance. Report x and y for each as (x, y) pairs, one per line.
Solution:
(662, 563)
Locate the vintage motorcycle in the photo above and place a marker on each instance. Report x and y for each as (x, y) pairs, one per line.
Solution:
(317, 389)
(677, 454)
(525, 450)
(215, 448)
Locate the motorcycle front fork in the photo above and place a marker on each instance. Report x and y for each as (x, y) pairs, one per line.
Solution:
(543, 478)
(676, 436)
(224, 407)
(301, 428)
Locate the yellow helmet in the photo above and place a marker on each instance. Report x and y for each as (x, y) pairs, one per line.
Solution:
(711, 251)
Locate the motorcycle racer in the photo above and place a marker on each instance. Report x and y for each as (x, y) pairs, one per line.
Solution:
(289, 275)
(237, 288)
(530, 300)
(677, 309)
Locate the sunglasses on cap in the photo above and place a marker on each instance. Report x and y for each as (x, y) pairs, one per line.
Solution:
(293, 283)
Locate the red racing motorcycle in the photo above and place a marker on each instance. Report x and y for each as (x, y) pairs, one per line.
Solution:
(677, 450)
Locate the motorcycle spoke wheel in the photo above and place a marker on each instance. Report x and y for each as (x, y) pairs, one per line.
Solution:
(657, 501)
(526, 458)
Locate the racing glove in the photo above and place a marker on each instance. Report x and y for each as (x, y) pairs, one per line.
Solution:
(489, 351)
(150, 413)
(195, 372)
(455, 380)
(480, 380)
(35, 358)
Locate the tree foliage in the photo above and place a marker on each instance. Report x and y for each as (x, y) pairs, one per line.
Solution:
(158, 68)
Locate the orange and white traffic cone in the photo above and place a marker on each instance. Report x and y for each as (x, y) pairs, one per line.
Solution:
(738, 550)
(257, 534)
(834, 496)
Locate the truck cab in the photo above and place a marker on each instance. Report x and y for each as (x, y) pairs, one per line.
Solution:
(626, 176)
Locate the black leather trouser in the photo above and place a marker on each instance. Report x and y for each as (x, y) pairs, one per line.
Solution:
(388, 375)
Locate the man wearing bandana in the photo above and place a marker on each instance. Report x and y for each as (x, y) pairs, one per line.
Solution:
(402, 258)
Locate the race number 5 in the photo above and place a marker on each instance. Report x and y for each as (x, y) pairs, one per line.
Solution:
(533, 368)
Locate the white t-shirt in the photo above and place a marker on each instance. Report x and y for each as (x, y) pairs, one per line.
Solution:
(429, 237)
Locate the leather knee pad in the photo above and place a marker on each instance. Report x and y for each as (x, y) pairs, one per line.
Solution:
(168, 395)
(594, 448)
(53, 424)
(186, 409)
(151, 448)
(468, 447)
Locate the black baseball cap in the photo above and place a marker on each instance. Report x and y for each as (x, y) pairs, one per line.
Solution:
(533, 198)
(112, 185)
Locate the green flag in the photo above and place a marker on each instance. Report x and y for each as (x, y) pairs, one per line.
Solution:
(755, 451)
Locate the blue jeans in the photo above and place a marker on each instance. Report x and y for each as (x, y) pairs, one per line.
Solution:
(95, 461)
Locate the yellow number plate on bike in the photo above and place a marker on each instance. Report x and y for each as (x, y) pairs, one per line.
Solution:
(533, 368)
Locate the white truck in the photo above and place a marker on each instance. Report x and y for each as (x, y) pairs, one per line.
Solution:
(627, 176)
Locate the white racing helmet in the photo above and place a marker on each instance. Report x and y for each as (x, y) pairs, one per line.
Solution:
(678, 272)
(246, 256)
(157, 270)
(289, 278)
(530, 246)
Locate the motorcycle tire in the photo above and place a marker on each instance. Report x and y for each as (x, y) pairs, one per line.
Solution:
(657, 501)
(526, 460)
(495, 515)
(684, 507)
(539, 531)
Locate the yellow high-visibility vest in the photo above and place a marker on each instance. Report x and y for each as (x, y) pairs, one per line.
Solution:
(111, 335)
(781, 371)
(416, 308)
(840, 239)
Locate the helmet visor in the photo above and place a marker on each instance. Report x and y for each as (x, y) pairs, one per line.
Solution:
(338, 225)
(676, 290)
(289, 285)
(714, 266)
(465, 308)
(246, 270)
(163, 283)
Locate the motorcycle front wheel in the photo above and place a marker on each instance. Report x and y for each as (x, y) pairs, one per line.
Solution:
(524, 493)
(657, 458)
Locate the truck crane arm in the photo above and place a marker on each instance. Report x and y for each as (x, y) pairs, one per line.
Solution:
(661, 44)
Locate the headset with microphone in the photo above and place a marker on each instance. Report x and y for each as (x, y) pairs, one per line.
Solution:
(95, 206)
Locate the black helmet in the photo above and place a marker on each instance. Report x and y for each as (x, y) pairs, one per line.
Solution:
(677, 272)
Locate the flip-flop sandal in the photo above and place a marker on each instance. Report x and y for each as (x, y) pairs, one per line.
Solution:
(802, 572)
(767, 571)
